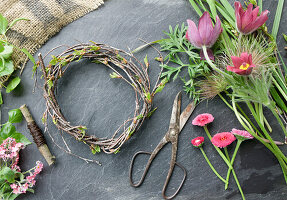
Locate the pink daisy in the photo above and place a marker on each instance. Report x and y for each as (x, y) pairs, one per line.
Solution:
(202, 119)
(198, 141)
(223, 139)
(241, 135)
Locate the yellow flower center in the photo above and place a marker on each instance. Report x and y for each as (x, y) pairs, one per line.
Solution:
(244, 66)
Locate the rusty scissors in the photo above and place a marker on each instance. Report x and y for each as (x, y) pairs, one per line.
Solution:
(177, 123)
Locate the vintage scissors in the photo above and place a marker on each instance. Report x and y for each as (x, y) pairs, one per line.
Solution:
(177, 123)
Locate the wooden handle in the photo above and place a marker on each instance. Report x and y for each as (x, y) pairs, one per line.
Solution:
(37, 135)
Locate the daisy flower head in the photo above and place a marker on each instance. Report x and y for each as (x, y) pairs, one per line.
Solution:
(223, 139)
(202, 119)
(197, 142)
(241, 135)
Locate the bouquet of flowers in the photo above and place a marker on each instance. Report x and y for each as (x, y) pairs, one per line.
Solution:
(13, 181)
(234, 55)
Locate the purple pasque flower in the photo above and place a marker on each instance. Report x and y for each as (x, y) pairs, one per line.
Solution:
(205, 34)
(242, 65)
(248, 21)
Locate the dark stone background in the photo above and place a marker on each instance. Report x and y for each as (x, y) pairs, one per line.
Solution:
(89, 97)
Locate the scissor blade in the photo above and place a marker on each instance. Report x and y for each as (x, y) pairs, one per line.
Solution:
(186, 114)
(175, 115)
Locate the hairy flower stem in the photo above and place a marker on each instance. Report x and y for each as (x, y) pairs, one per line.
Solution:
(235, 177)
(211, 166)
(213, 66)
(273, 110)
(269, 146)
(265, 132)
(217, 149)
(232, 161)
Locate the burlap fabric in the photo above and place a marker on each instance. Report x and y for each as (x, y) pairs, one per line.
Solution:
(47, 17)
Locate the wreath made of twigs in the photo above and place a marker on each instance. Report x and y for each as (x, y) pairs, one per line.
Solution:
(125, 66)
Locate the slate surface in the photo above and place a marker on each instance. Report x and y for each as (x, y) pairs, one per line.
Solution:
(89, 97)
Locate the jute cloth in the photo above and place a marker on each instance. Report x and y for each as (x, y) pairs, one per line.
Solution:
(47, 17)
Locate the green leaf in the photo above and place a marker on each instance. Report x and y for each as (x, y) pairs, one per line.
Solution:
(8, 174)
(7, 130)
(30, 190)
(15, 116)
(50, 84)
(195, 7)
(1, 99)
(1, 47)
(55, 60)
(14, 196)
(96, 149)
(19, 137)
(8, 69)
(228, 8)
(29, 55)
(151, 112)
(114, 75)
(2, 63)
(260, 6)
(211, 4)
(146, 62)
(3, 24)
(7, 52)
(161, 85)
(13, 84)
(16, 20)
(285, 37)
(277, 18)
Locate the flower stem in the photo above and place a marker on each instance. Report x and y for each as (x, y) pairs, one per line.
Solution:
(213, 66)
(272, 109)
(234, 174)
(217, 149)
(232, 161)
(211, 166)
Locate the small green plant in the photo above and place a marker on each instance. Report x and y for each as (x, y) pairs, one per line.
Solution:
(6, 50)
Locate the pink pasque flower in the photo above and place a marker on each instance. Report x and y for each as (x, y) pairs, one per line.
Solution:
(248, 21)
(202, 119)
(223, 139)
(242, 65)
(198, 141)
(241, 135)
(205, 34)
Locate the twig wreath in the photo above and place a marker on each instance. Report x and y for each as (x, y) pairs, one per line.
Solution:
(125, 66)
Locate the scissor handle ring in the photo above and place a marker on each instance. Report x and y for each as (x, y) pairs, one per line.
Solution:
(180, 186)
(131, 170)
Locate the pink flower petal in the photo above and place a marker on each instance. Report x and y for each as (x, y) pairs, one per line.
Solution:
(223, 139)
(247, 16)
(193, 34)
(198, 141)
(238, 9)
(203, 119)
(244, 56)
(255, 13)
(254, 25)
(237, 61)
(205, 27)
(215, 32)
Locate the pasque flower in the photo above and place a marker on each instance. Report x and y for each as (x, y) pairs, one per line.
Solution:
(223, 139)
(205, 34)
(242, 65)
(198, 141)
(203, 119)
(249, 21)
